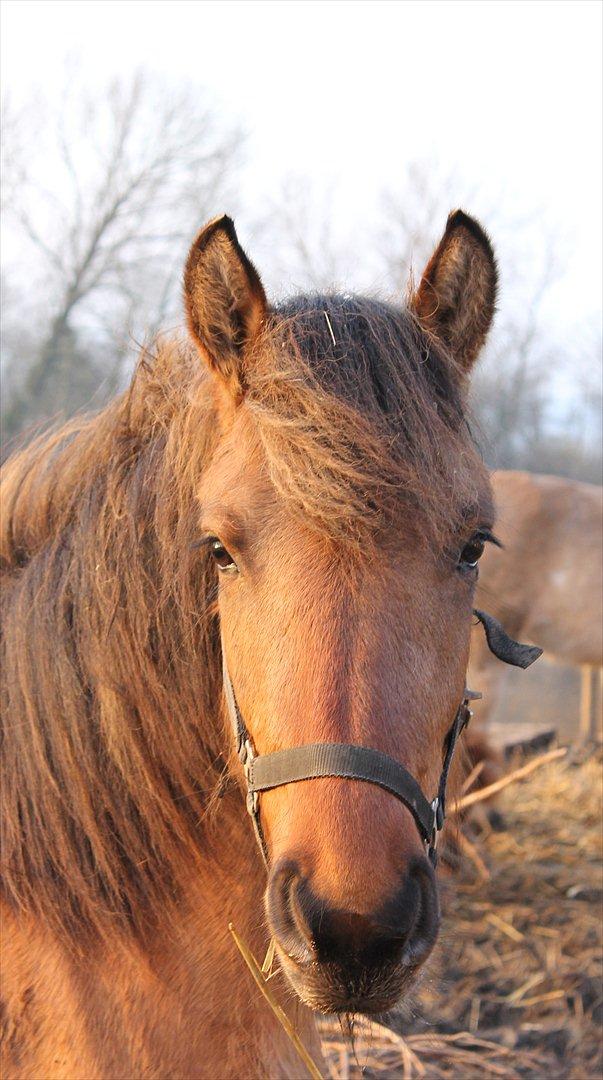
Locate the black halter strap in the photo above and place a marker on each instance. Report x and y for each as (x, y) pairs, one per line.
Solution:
(503, 646)
(266, 771)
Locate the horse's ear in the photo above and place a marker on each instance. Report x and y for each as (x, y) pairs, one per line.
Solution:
(224, 300)
(456, 297)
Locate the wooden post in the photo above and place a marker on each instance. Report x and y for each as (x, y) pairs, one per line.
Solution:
(591, 704)
(586, 702)
(598, 716)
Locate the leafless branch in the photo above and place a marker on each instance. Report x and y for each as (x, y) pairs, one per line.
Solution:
(133, 171)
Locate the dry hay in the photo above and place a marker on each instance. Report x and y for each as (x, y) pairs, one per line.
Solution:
(515, 989)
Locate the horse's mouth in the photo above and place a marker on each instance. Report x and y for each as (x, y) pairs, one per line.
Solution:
(339, 960)
(349, 987)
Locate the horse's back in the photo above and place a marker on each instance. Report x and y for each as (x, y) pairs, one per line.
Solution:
(548, 580)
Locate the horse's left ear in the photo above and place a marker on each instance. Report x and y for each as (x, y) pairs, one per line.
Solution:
(224, 300)
(456, 298)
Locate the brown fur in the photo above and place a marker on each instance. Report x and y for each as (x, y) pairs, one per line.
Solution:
(343, 480)
(546, 583)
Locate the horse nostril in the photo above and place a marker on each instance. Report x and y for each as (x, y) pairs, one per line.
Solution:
(426, 922)
(285, 916)
(308, 928)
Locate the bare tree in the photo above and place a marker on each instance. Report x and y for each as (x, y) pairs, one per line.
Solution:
(513, 387)
(515, 390)
(413, 213)
(518, 387)
(98, 223)
(297, 238)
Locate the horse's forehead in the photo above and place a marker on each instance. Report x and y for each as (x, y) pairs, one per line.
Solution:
(485, 508)
(238, 455)
(239, 481)
(236, 487)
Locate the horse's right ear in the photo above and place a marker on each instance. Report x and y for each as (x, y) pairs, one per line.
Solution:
(224, 300)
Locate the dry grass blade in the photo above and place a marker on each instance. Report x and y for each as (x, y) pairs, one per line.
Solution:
(269, 958)
(554, 995)
(506, 927)
(476, 771)
(470, 850)
(511, 778)
(280, 1014)
(522, 990)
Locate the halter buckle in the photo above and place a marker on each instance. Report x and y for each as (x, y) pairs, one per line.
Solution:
(438, 815)
(246, 755)
(438, 822)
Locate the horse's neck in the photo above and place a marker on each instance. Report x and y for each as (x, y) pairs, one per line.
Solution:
(186, 1007)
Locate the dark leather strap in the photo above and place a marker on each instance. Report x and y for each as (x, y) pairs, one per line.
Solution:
(347, 761)
(461, 720)
(503, 646)
(241, 733)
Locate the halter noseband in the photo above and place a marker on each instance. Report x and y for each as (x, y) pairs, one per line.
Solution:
(266, 771)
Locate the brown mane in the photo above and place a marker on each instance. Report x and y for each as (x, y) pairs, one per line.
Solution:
(113, 736)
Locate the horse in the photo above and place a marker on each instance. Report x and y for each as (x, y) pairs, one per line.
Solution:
(290, 492)
(545, 581)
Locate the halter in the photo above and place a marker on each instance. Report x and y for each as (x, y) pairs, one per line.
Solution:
(266, 771)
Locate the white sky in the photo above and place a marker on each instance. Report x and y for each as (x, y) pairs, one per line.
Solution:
(506, 93)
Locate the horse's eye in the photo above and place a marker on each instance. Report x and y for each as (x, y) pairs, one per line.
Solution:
(472, 552)
(224, 561)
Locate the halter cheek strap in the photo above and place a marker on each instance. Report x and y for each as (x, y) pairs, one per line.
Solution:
(503, 646)
(266, 771)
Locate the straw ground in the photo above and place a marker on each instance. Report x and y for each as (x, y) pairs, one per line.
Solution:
(515, 990)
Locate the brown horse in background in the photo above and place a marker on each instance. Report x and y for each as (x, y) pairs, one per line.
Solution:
(546, 582)
(297, 486)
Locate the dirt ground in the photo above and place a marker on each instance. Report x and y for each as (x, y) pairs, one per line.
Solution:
(515, 988)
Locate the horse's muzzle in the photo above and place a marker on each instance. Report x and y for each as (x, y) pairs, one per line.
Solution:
(347, 961)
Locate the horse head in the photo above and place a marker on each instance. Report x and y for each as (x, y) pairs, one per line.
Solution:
(345, 509)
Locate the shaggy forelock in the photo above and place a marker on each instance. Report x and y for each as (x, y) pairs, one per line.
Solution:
(362, 420)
